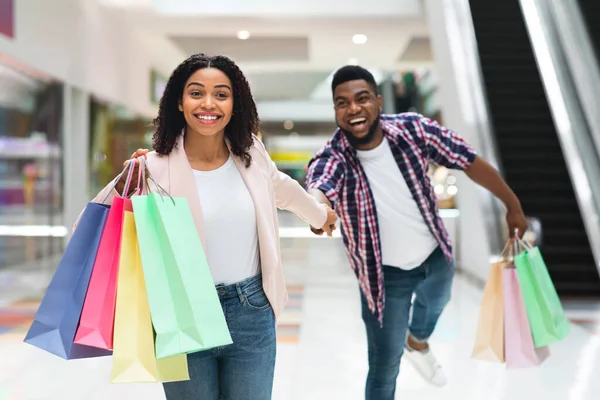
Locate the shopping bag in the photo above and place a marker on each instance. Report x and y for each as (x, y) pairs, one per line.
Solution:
(134, 358)
(97, 317)
(57, 318)
(185, 308)
(520, 350)
(489, 343)
(544, 309)
(98, 314)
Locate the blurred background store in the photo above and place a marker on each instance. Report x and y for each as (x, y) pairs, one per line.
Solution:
(80, 82)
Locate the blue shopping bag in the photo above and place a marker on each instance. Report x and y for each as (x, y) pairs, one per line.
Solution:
(57, 318)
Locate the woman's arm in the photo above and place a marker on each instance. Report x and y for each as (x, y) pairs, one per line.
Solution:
(289, 195)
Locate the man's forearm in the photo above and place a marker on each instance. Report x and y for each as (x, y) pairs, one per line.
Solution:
(320, 196)
(484, 174)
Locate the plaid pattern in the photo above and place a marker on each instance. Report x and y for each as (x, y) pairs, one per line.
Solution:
(336, 171)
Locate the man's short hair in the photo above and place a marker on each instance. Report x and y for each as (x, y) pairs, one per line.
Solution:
(352, 73)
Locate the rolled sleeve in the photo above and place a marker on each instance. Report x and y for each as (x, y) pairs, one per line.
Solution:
(291, 196)
(326, 173)
(445, 147)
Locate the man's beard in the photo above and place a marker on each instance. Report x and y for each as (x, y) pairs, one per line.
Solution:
(355, 142)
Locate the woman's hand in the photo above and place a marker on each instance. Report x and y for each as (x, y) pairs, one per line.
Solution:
(136, 169)
(329, 225)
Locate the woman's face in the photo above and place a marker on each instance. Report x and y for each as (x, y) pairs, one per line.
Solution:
(207, 102)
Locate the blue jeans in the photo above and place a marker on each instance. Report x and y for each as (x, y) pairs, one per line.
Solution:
(244, 369)
(432, 283)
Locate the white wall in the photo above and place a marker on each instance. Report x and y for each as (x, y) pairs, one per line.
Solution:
(295, 8)
(462, 112)
(92, 48)
(45, 36)
(296, 110)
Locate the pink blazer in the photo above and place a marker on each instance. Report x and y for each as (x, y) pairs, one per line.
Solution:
(270, 189)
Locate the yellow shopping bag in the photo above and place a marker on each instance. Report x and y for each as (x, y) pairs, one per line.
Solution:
(134, 359)
(489, 344)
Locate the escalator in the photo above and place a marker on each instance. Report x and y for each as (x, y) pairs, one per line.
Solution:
(528, 145)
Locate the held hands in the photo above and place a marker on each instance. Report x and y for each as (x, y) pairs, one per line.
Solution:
(329, 225)
(136, 168)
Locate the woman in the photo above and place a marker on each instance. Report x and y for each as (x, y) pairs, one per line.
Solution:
(205, 151)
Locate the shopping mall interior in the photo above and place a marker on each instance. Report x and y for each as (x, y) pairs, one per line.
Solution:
(519, 80)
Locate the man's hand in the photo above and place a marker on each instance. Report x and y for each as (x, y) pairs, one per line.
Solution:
(484, 174)
(516, 222)
(329, 225)
(316, 231)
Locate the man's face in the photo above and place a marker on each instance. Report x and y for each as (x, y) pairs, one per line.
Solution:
(357, 108)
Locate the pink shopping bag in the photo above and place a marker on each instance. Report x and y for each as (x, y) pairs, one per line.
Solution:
(98, 315)
(519, 348)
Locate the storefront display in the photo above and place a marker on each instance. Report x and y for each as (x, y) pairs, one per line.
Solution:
(115, 135)
(30, 163)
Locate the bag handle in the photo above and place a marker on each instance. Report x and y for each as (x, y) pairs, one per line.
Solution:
(129, 178)
(507, 252)
(513, 247)
(141, 182)
(518, 241)
(127, 169)
(158, 187)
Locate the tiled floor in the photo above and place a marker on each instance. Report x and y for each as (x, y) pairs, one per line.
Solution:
(322, 348)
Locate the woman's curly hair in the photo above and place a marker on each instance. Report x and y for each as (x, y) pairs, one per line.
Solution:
(170, 121)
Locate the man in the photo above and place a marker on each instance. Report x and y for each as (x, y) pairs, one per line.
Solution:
(374, 172)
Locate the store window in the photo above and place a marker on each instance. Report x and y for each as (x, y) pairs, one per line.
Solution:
(116, 133)
(30, 165)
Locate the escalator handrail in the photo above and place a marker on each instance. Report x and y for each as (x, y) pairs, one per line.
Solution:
(581, 58)
(574, 135)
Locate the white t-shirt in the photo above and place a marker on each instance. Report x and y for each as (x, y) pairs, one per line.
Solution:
(406, 241)
(229, 224)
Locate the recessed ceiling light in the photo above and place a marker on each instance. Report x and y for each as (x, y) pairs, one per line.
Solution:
(243, 35)
(353, 61)
(359, 38)
(289, 125)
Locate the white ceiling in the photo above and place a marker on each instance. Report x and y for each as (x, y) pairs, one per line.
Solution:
(282, 7)
(335, 8)
(294, 45)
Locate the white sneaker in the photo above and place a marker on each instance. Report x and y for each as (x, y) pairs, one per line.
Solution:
(426, 364)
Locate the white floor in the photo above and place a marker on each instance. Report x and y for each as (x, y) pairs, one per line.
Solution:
(329, 362)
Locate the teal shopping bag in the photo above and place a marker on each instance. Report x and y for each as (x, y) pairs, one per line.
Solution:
(184, 305)
(544, 309)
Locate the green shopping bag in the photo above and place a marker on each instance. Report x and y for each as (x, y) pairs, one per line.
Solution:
(544, 309)
(184, 305)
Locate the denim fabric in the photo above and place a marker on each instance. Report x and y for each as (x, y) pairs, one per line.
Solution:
(244, 369)
(432, 284)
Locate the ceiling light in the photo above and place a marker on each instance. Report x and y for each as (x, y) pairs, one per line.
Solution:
(353, 61)
(289, 125)
(243, 35)
(359, 38)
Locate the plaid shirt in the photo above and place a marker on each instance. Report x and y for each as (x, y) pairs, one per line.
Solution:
(336, 171)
